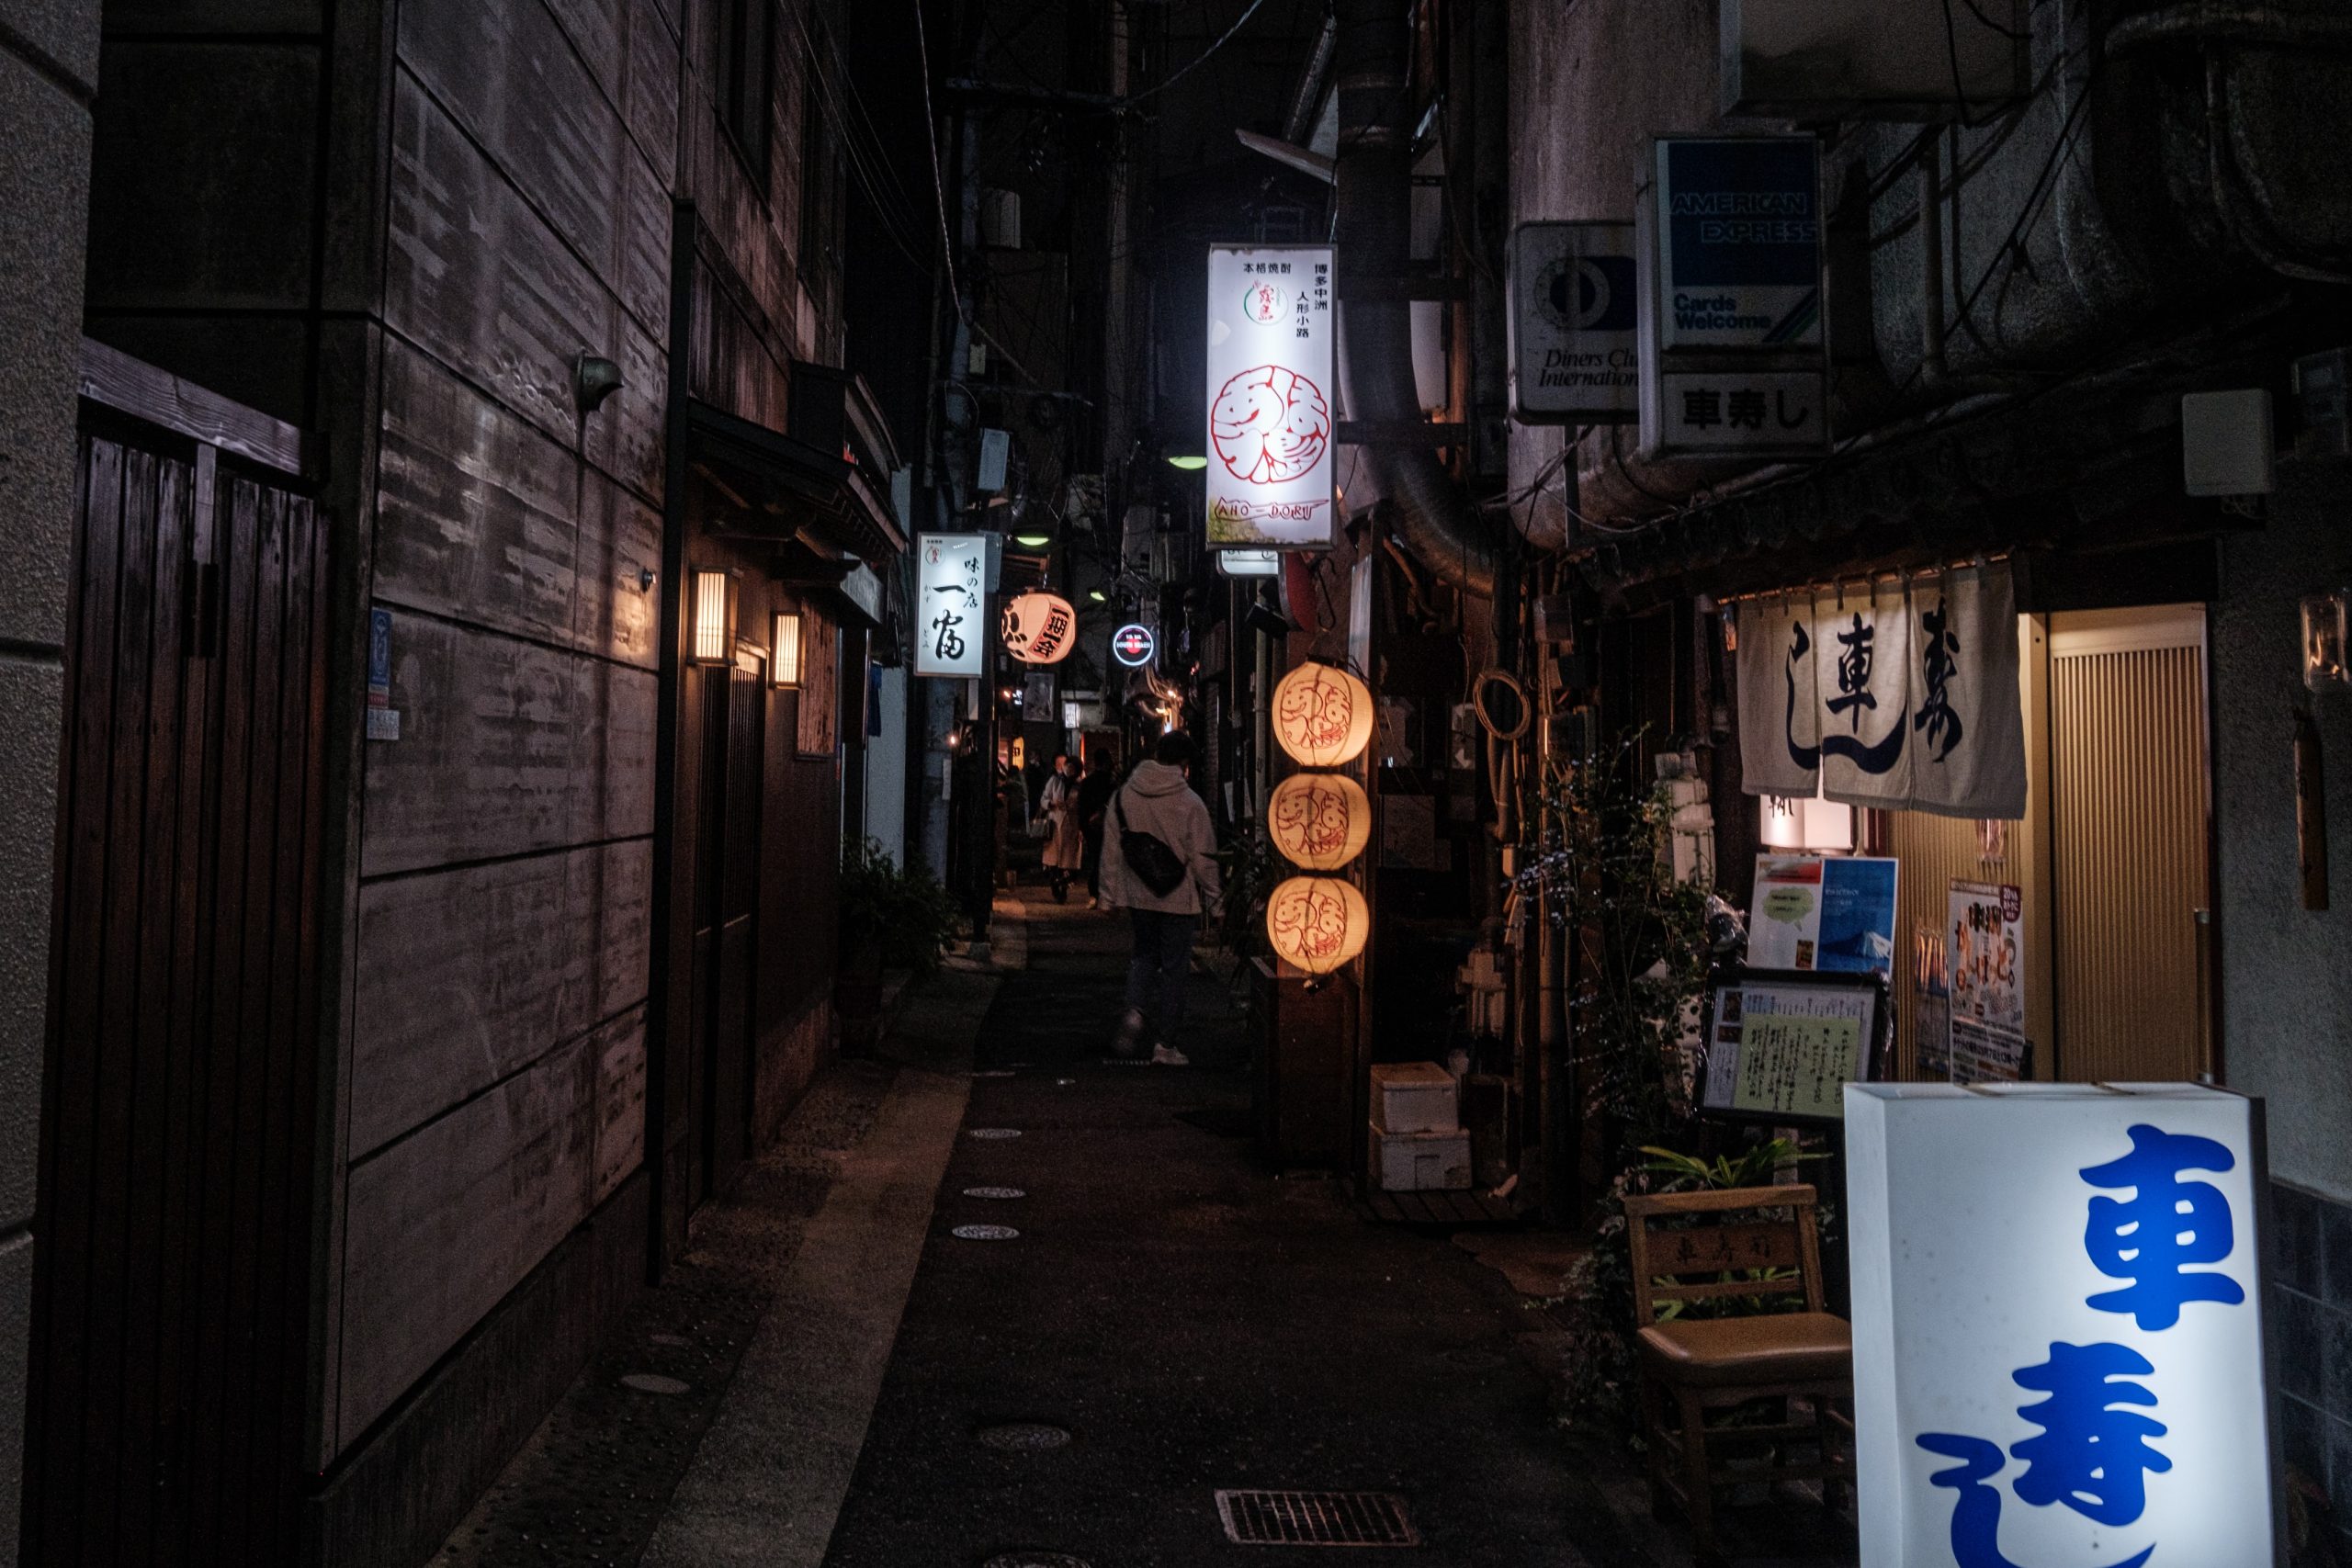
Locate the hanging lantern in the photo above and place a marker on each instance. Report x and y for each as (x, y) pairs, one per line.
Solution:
(1317, 923)
(1322, 715)
(1039, 628)
(1319, 821)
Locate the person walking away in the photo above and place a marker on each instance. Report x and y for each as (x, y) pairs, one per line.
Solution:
(1066, 840)
(1094, 804)
(1159, 864)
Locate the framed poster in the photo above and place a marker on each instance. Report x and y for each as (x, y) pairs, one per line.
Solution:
(1984, 939)
(1781, 1046)
(1272, 398)
(1830, 912)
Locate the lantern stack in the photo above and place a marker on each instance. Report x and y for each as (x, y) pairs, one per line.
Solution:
(1319, 821)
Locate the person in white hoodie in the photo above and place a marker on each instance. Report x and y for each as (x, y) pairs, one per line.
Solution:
(1158, 802)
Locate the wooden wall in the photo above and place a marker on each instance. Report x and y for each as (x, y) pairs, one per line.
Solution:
(495, 1089)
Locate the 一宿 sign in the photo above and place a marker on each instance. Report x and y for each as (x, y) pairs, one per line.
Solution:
(2057, 1326)
(951, 594)
(1273, 398)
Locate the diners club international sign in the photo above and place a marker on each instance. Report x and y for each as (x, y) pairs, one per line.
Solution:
(1273, 398)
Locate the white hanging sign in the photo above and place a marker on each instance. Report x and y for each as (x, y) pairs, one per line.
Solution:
(1273, 398)
(2057, 1326)
(1892, 697)
(951, 572)
(1574, 340)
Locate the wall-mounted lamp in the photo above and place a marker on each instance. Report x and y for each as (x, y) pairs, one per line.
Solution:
(594, 378)
(783, 659)
(1097, 595)
(714, 615)
(1032, 541)
(2327, 661)
(1192, 463)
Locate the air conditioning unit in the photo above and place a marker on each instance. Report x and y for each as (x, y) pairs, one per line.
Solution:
(1000, 219)
(1889, 59)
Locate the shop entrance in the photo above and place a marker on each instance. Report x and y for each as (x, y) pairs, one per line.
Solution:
(2112, 857)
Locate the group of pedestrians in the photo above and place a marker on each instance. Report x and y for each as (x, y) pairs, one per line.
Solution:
(1148, 846)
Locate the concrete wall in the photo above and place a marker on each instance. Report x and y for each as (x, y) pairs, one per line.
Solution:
(49, 72)
(2286, 981)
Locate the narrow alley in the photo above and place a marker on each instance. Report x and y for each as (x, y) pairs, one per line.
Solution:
(1169, 1318)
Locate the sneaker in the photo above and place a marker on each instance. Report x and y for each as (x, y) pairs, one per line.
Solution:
(1169, 1057)
(1129, 1040)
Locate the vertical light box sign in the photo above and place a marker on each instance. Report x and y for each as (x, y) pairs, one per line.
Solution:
(2057, 1326)
(1273, 398)
(951, 583)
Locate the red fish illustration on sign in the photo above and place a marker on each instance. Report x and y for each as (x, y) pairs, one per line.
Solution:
(1269, 425)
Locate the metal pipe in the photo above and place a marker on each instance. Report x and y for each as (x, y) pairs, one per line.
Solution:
(1932, 368)
(2230, 21)
(1436, 520)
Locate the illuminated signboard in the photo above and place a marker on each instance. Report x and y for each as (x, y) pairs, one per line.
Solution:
(2058, 1326)
(952, 587)
(1272, 398)
(1133, 644)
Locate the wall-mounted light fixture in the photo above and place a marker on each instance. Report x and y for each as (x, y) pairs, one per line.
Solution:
(784, 657)
(594, 378)
(1191, 462)
(1032, 540)
(714, 615)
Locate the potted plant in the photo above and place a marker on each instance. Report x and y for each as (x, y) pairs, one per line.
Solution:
(891, 918)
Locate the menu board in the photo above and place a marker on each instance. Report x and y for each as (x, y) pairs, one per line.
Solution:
(1782, 1049)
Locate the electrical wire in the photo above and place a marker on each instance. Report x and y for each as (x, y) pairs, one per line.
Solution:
(938, 186)
(1195, 61)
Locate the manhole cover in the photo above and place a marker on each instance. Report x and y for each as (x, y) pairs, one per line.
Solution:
(986, 1233)
(993, 1072)
(1316, 1519)
(655, 1382)
(669, 1339)
(1023, 1437)
(994, 1193)
(1034, 1560)
(995, 1132)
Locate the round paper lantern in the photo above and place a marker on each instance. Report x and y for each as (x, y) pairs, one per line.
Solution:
(1039, 628)
(1319, 821)
(1322, 715)
(1317, 923)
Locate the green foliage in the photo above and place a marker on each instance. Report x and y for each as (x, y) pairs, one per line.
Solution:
(1752, 1167)
(904, 912)
(1251, 870)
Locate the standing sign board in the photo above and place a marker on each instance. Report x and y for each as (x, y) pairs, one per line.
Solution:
(1574, 343)
(1734, 350)
(1826, 912)
(1781, 1046)
(1273, 398)
(951, 572)
(2057, 1325)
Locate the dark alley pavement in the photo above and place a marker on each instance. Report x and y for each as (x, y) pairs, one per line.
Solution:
(839, 1376)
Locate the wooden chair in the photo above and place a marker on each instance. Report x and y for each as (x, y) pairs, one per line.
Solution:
(1712, 1364)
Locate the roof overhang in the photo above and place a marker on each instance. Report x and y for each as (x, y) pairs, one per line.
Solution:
(785, 488)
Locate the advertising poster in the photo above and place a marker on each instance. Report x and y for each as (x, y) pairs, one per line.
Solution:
(1823, 912)
(1273, 398)
(1985, 950)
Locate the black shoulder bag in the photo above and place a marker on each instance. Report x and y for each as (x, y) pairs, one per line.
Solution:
(1147, 855)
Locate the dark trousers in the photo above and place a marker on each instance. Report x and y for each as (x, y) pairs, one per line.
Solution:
(1161, 967)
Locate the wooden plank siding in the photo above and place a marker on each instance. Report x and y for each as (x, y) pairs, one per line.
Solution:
(495, 1085)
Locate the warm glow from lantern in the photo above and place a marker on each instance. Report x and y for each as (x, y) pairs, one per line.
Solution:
(1322, 716)
(1319, 821)
(714, 617)
(1039, 628)
(783, 659)
(1316, 923)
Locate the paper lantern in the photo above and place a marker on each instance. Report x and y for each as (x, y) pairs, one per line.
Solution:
(1039, 628)
(1322, 716)
(1317, 923)
(1319, 821)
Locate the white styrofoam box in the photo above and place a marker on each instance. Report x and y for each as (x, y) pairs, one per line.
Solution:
(1422, 1162)
(2057, 1300)
(1414, 1096)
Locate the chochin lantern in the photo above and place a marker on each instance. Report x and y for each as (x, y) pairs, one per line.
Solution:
(1316, 923)
(1319, 821)
(1322, 715)
(1039, 628)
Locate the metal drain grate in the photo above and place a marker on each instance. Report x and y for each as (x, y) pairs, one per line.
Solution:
(1316, 1519)
(1023, 1437)
(1034, 1560)
(1002, 1193)
(994, 1134)
(985, 1233)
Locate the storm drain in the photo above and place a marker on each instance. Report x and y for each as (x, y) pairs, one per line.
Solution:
(655, 1382)
(993, 1134)
(1034, 1560)
(1316, 1519)
(1023, 1437)
(985, 1233)
(994, 1193)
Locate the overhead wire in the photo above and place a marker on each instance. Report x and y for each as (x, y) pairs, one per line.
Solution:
(1196, 63)
(938, 186)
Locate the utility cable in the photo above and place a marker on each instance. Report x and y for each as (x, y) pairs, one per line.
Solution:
(1195, 61)
(938, 186)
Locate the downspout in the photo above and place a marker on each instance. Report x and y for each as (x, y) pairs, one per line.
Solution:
(1435, 519)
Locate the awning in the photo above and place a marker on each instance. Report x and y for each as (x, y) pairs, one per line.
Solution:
(833, 499)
